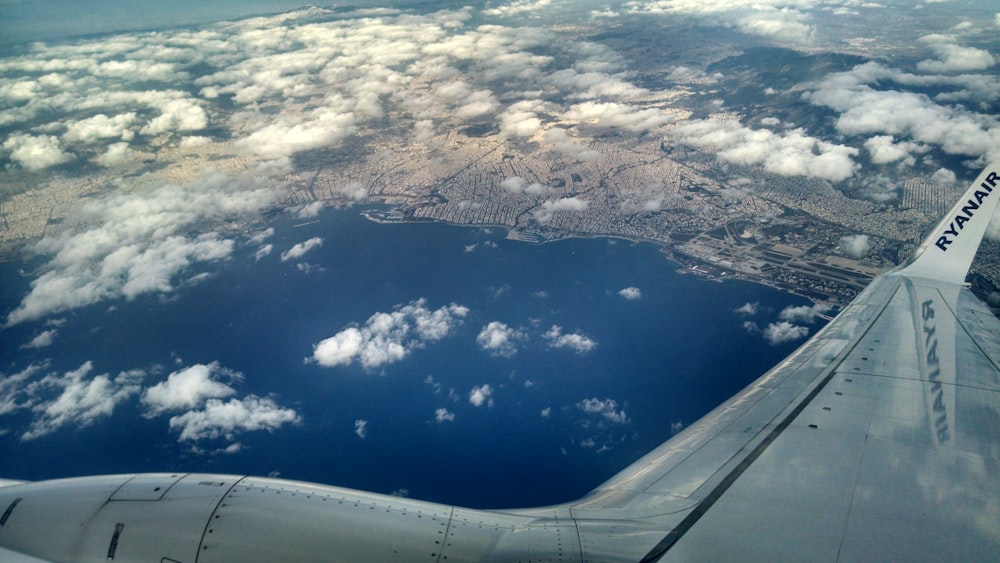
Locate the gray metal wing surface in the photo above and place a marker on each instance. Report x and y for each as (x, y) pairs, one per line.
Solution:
(878, 439)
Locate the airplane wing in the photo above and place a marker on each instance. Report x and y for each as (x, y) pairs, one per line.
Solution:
(878, 439)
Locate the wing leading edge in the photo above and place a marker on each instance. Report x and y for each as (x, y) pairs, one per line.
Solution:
(877, 439)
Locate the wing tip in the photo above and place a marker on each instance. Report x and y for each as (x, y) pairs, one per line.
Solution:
(947, 252)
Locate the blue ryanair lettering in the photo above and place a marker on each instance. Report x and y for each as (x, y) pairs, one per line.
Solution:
(932, 364)
(964, 215)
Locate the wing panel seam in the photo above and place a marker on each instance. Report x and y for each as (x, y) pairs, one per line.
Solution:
(661, 548)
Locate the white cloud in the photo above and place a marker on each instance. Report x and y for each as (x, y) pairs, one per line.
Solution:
(952, 57)
(35, 152)
(15, 393)
(521, 119)
(943, 177)
(131, 244)
(546, 412)
(884, 149)
(513, 184)
(865, 108)
(300, 249)
(499, 339)
(577, 342)
(631, 293)
(784, 332)
(803, 313)
(261, 236)
(310, 210)
(618, 116)
(100, 127)
(783, 20)
(361, 428)
(606, 408)
(193, 141)
(81, 400)
(481, 394)
(289, 135)
(444, 415)
(748, 309)
(182, 114)
(517, 7)
(550, 208)
(263, 251)
(218, 419)
(791, 153)
(116, 153)
(189, 388)
(855, 246)
(387, 338)
(42, 339)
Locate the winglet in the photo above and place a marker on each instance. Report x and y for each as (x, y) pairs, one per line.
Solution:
(948, 251)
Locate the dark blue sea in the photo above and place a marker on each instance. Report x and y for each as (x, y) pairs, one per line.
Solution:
(665, 359)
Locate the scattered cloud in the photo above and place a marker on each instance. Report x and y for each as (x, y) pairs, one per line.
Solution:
(613, 115)
(387, 338)
(607, 408)
(803, 313)
(952, 58)
(631, 293)
(577, 342)
(784, 332)
(943, 177)
(549, 208)
(444, 415)
(79, 399)
(361, 428)
(872, 99)
(310, 210)
(790, 153)
(35, 152)
(546, 412)
(218, 419)
(499, 339)
(748, 309)
(518, 7)
(42, 339)
(116, 153)
(261, 236)
(855, 246)
(782, 20)
(132, 244)
(299, 250)
(263, 252)
(481, 394)
(189, 388)
(884, 149)
(101, 126)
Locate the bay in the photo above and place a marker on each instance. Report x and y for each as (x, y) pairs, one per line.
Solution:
(662, 360)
